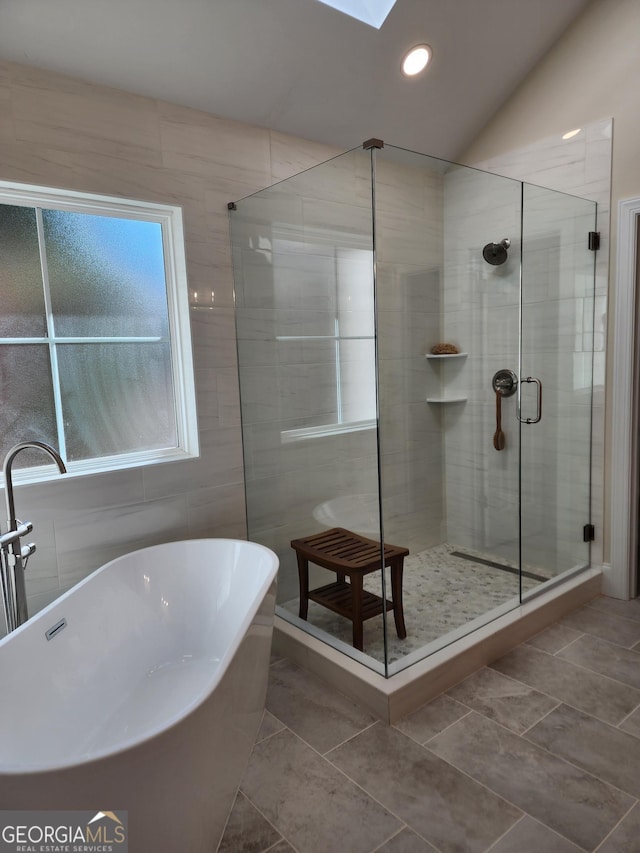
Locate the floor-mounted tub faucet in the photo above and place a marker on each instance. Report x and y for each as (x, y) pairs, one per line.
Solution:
(12, 553)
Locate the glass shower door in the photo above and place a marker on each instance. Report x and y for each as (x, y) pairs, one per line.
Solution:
(556, 380)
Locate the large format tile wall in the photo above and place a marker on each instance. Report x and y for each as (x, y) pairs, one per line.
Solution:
(580, 166)
(409, 247)
(562, 320)
(481, 316)
(61, 132)
(303, 259)
(487, 489)
(302, 254)
(557, 347)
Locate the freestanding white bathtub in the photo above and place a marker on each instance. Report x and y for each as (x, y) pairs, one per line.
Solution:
(149, 699)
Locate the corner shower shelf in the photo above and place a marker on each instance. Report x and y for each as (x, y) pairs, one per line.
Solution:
(441, 358)
(446, 355)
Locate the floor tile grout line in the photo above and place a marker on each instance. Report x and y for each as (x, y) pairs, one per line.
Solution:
(485, 786)
(267, 737)
(325, 756)
(543, 717)
(422, 746)
(548, 751)
(523, 735)
(570, 643)
(283, 837)
(593, 716)
(353, 782)
(390, 838)
(433, 699)
(226, 823)
(446, 728)
(504, 834)
(524, 683)
(611, 614)
(247, 797)
(351, 737)
(571, 663)
(379, 802)
(610, 833)
(555, 832)
(604, 640)
(577, 766)
(240, 792)
(390, 811)
(273, 846)
(601, 674)
(624, 720)
(520, 808)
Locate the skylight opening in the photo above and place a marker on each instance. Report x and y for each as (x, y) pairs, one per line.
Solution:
(371, 12)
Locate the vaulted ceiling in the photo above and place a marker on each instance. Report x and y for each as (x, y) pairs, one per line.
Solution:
(300, 66)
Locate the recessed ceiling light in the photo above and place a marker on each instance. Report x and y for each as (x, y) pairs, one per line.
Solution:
(372, 12)
(571, 133)
(416, 60)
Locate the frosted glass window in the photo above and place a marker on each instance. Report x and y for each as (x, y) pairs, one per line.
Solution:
(106, 275)
(114, 396)
(27, 399)
(95, 348)
(22, 313)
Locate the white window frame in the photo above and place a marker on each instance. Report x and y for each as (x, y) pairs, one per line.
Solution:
(170, 219)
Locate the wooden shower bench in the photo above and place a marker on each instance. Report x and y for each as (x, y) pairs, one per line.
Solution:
(350, 555)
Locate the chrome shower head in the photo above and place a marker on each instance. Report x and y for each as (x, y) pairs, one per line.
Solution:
(496, 253)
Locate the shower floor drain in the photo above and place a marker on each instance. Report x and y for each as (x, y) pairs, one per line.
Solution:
(502, 566)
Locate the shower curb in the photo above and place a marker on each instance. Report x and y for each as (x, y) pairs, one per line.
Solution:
(392, 698)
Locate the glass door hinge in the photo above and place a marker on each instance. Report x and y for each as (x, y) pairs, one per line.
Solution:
(588, 533)
(594, 240)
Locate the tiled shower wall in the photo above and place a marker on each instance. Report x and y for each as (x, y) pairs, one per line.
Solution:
(409, 263)
(285, 288)
(580, 166)
(61, 132)
(481, 316)
(539, 483)
(302, 257)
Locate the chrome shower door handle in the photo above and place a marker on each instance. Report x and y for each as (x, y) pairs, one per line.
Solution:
(538, 416)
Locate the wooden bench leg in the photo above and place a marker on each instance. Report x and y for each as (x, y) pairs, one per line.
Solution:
(303, 578)
(396, 593)
(356, 611)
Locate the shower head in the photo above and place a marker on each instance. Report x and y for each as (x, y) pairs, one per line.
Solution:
(496, 253)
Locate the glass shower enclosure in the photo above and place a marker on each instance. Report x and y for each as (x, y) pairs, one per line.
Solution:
(415, 347)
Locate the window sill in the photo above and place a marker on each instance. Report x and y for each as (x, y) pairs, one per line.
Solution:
(49, 473)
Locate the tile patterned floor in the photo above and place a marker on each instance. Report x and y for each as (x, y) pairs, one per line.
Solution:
(538, 753)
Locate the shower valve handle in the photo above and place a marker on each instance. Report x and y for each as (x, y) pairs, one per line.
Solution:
(504, 383)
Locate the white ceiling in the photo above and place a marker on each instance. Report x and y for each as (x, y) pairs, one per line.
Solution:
(300, 66)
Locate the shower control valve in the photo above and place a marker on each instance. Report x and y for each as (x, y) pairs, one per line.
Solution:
(504, 382)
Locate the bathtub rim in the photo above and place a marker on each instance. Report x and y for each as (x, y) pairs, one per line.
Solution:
(173, 720)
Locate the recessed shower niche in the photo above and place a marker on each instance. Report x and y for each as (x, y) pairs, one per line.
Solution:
(346, 276)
